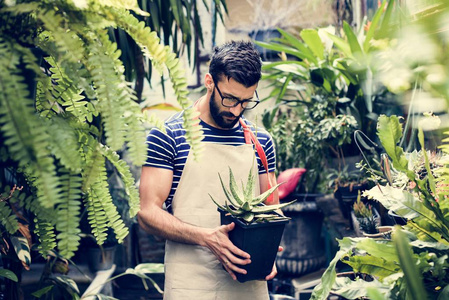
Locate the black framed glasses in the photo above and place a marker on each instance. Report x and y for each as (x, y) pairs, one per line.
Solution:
(233, 102)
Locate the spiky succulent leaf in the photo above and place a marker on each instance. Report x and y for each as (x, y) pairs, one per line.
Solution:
(247, 206)
(261, 198)
(228, 195)
(248, 192)
(268, 208)
(234, 189)
(216, 203)
(248, 217)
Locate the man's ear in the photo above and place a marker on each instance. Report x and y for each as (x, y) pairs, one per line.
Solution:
(209, 82)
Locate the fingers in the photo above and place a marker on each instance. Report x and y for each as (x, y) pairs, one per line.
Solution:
(273, 273)
(232, 248)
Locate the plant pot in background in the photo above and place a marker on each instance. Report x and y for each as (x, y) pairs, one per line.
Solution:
(346, 196)
(396, 219)
(356, 224)
(304, 250)
(100, 258)
(260, 240)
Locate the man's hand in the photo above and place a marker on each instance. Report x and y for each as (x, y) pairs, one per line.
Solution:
(226, 252)
(275, 270)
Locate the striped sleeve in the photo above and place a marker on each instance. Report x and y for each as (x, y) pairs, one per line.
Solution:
(270, 152)
(160, 149)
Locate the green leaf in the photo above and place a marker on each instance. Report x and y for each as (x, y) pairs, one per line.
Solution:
(8, 274)
(413, 278)
(282, 48)
(22, 249)
(313, 40)
(305, 52)
(322, 290)
(373, 27)
(234, 188)
(262, 197)
(268, 208)
(236, 202)
(373, 265)
(389, 131)
(248, 192)
(341, 44)
(352, 39)
(149, 268)
(43, 291)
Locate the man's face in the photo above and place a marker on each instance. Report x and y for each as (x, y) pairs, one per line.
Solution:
(227, 117)
(221, 115)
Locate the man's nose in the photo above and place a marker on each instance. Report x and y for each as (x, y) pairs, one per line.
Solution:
(236, 110)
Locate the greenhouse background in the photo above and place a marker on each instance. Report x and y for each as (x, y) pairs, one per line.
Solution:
(355, 94)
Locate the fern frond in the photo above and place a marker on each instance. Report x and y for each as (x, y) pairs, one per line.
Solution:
(8, 218)
(161, 56)
(69, 46)
(96, 216)
(68, 214)
(113, 95)
(155, 121)
(63, 143)
(128, 180)
(67, 94)
(46, 235)
(125, 4)
(136, 135)
(100, 206)
(24, 133)
(94, 162)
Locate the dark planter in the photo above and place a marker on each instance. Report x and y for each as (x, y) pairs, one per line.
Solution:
(100, 258)
(260, 240)
(396, 219)
(346, 196)
(304, 250)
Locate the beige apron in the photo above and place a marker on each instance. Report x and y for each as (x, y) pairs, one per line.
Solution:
(191, 271)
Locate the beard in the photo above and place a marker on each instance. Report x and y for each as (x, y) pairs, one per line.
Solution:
(220, 117)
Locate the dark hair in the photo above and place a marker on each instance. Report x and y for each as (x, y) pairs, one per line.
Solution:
(238, 60)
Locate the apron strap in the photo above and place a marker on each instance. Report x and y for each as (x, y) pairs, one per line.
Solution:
(250, 137)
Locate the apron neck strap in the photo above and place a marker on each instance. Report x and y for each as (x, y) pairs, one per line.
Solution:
(250, 137)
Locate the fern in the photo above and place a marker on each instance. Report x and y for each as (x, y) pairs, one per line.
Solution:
(8, 218)
(101, 205)
(46, 235)
(128, 180)
(111, 92)
(160, 56)
(23, 131)
(66, 93)
(67, 212)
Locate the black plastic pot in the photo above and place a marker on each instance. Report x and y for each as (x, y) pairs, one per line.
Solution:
(260, 240)
(346, 196)
(100, 258)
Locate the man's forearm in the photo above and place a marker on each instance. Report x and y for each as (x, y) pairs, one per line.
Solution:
(159, 222)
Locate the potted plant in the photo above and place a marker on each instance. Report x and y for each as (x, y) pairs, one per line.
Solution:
(258, 227)
(423, 203)
(367, 220)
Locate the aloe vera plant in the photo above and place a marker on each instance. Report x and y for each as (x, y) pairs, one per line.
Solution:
(244, 205)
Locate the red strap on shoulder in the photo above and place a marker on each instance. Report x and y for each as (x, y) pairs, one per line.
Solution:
(250, 137)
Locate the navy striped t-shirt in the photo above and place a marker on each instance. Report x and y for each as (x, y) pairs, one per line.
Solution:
(169, 150)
